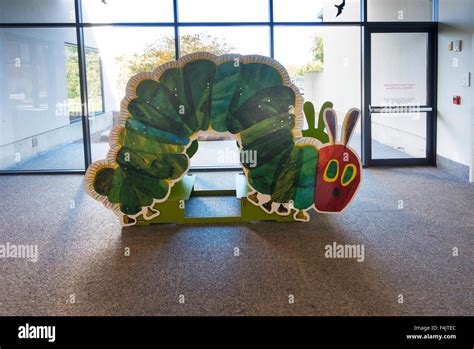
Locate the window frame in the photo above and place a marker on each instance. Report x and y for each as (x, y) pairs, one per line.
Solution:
(78, 24)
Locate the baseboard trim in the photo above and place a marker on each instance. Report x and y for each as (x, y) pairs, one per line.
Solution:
(453, 167)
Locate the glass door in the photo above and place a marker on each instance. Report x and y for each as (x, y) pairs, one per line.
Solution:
(399, 96)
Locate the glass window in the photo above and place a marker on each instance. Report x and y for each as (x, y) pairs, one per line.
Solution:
(405, 82)
(73, 82)
(316, 10)
(95, 88)
(220, 40)
(400, 10)
(110, 11)
(324, 63)
(398, 135)
(399, 129)
(141, 49)
(34, 11)
(94, 76)
(36, 132)
(223, 11)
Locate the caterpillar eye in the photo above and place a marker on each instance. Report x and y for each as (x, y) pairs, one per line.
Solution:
(332, 171)
(348, 175)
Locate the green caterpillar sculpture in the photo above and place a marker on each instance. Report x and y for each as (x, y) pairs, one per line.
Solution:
(250, 96)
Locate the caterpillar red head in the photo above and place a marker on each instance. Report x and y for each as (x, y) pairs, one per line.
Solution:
(339, 168)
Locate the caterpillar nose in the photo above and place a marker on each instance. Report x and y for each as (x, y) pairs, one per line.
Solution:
(336, 192)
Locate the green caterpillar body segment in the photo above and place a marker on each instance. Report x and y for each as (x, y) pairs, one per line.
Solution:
(163, 112)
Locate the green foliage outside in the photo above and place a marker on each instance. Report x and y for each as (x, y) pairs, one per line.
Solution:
(94, 84)
(155, 54)
(163, 50)
(317, 59)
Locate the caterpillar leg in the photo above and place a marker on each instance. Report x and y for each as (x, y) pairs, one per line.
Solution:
(301, 216)
(267, 207)
(150, 213)
(128, 221)
(253, 198)
(282, 210)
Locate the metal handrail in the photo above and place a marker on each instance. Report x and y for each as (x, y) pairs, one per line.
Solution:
(399, 109)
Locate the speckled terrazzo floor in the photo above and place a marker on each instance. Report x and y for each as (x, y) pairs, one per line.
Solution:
(408, 252)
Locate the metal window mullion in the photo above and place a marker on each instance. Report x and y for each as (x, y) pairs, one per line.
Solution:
(83, 85)
(435, 10)
(365, 119)
(366, 148)
(176, 29)
(364, 11)
(272, 33)
(431, 121)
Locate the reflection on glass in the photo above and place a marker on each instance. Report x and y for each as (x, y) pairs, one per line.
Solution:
(37, 132)
(399, 70)
(110, 11)
(34, 11)
(110, 66)
(316, 10)
(94, 77)
(398, 135)
(324, 63)
(95, 86)
(73, 82)
(223, 11)
(400, 10)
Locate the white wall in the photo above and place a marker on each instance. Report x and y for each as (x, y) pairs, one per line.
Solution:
(342, 67)
(455, 122)
(339, 82)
